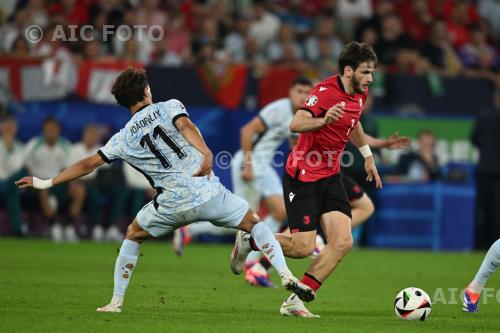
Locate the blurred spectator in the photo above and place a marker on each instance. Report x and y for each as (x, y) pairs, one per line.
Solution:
(94, 51)
(11, 165)
(327, 63)
(175, 48)
(46, 156)
(285, 46)
(479, 58)
(350, 13)
(129, 44)
(423, 164)
(149, 13)
(486, 136)
(439, 52)
(88, 185)
(490, 10)
(393, 45)
(20, 49)
(458, 23)
(75, 12)
(37, 12)
(295, 16)
(382, 9)
(417, 19)
(11, 31)
(58, 68)
(354, 9)
(325, 31)
(369, 36)
(265, 25)
(235, 43)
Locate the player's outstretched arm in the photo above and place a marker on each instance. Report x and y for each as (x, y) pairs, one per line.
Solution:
(248, 131)
(358, 139)
(395, 141)
(77, 170)
(304, 121)
(193, 135)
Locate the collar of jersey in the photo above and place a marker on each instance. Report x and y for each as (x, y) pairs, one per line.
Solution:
(142, 108)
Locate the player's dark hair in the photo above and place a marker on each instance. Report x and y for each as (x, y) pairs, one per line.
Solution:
(355, 54)
(52, 120)
(303, 81)
(129, 87)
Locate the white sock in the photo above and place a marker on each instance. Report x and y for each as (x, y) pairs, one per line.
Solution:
(270, 247)
(275, 226)
(272, 223)
(488, 267)
(124, 266)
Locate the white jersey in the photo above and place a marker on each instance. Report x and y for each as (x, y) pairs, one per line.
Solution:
(79, 151)
(44, 161)
(11, 159)
(152, 144)
(276, 117)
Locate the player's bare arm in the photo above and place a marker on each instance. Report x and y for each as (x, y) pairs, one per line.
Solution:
(77, 170)
(395, 141)
(358, 139)
(255, 126)
(193, 135)
(304, 121)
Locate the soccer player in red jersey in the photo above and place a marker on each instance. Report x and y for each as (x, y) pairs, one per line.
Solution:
(313, 189)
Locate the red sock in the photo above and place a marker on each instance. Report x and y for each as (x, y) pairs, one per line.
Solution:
(311, 281)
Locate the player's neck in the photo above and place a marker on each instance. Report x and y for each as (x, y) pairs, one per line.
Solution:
(139, 106)
(347, 85)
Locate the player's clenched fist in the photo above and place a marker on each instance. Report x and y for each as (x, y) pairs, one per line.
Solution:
(334, 113)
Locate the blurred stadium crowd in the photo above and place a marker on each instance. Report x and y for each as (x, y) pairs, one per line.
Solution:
(442, 37)
(450, 37)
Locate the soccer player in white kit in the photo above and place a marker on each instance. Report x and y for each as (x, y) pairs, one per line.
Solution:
(168, 149)
(253, 175)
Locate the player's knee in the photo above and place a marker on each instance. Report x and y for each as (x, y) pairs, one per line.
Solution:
(303, 249)
(135, 233)
(343, 245)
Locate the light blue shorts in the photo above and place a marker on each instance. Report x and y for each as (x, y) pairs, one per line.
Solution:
(224, 210)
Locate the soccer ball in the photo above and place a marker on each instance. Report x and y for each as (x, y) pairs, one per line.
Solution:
(412, 304)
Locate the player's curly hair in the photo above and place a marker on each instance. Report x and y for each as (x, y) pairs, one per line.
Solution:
(355, 54)
(129, 86)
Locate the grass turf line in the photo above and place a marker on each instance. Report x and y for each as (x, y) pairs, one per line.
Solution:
(46, 287)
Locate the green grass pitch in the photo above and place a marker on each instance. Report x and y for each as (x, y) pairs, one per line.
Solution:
(47, 287)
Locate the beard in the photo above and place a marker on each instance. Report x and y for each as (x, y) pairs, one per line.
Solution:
(356, 85)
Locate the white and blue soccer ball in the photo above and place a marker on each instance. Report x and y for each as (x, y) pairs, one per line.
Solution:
(412, 304)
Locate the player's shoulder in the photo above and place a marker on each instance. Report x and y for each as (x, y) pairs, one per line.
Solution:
(35, 143)
(282, 105)
(171, 105)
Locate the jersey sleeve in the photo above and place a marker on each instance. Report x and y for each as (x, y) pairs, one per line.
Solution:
(175, 110)
(317, 103)
(270, 116)
(113, 150)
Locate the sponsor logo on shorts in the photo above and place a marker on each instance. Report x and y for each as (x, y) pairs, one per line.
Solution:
(291, 196)
(306, 219)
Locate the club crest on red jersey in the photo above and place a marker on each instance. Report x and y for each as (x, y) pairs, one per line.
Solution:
(311, 100)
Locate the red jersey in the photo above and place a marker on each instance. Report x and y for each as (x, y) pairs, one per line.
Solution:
(318, 153)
